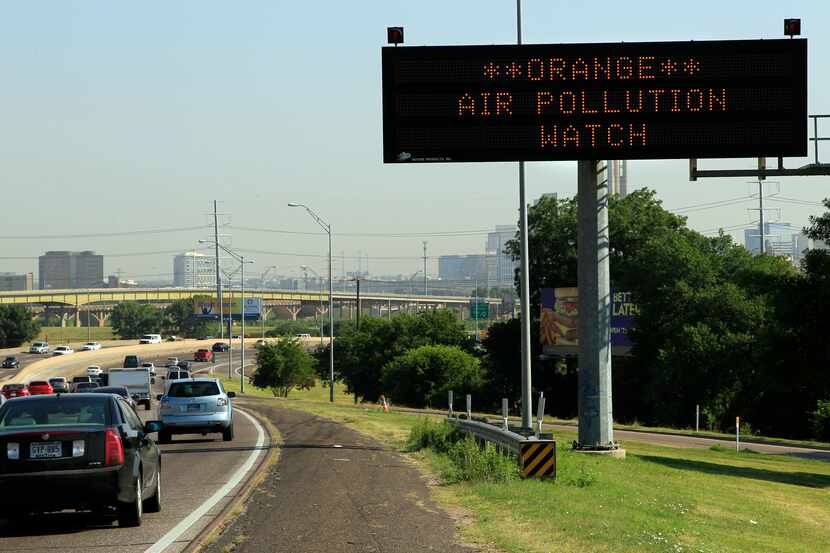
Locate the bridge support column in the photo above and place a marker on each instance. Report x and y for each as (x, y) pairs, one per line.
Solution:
(77, 317)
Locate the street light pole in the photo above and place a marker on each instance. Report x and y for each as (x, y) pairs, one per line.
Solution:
(327, 228)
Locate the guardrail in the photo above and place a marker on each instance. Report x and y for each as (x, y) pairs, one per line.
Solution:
(536, 452)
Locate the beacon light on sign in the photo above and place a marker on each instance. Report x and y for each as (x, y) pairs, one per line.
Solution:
(394, 35)
(792, 27)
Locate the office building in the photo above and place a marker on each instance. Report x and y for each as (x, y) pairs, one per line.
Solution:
(64, 269)
(500, 266)
(11, 281)
(194, 270)
(462, 267)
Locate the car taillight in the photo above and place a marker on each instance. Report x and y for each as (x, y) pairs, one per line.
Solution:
(113, 448)
(221, 402)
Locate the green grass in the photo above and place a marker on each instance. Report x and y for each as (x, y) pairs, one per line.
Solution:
(659, 499)
(61, 335)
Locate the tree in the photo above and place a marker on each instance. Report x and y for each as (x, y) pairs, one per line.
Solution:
(360, 355)
(131, 320)
(283, 366)
(422, 376)
(16, 326)
(181, 320)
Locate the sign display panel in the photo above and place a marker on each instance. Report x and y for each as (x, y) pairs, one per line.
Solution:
(709, 99)
(207, 307)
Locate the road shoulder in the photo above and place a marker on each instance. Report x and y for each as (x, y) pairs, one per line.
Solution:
(334, 489)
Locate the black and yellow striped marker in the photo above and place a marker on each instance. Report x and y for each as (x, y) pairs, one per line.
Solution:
(538, 459)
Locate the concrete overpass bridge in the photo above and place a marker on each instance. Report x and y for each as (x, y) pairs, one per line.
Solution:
(98, 303)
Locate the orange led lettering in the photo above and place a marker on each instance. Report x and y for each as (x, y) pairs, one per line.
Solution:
(593, 127)
(713, 99)
(599, 68)
(503, 100)
(633, 133)
(625, 69)
(619, 129)
(645, 67)
(485, 107)
(570, 134)
(656, 93)
(572, 100)
(548, 139)
(543, 100)
(585, 108)
(466, 103)
(579, 68)
(675, 99)
(557, 67)
(605, 108)
(535, 70)
(629, 106)
(693, 104)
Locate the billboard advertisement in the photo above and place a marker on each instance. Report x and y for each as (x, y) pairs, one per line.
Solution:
(207, 307)
(559, 321)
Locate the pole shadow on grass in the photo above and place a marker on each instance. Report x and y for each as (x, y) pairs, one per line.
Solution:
(807, 479)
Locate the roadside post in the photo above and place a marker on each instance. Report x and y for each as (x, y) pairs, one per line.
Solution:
(737, 433)
(449, 402)
(697, 418)
(540, 414)
(504, 412)
(469, 407)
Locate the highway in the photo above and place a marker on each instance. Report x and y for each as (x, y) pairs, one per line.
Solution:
(200, 475)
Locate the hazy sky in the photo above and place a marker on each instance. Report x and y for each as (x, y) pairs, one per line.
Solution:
(120, 117)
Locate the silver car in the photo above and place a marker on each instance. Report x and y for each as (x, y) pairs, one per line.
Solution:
(195, 406)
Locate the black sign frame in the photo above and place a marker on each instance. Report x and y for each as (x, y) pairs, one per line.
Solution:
(423, 86)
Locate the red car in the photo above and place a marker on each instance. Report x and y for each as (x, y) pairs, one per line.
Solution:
(15, 390)
(203, 355)
(40, 388)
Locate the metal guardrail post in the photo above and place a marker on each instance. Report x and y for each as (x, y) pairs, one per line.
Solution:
(449, 402)
(540, 414)
(469, 407)
(504, 412)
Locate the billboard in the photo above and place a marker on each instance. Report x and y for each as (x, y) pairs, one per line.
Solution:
(559, 321)
(632, 100)
(207, 307)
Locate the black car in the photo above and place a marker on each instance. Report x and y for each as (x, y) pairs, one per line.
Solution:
(78, 451)
(132, 362)
(11, 363)
(118, 390)
(220, 347)
(185, 365)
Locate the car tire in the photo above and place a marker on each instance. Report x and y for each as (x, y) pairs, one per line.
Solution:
(165, 437)
(227, 434)
(153, 504)
(129, 514)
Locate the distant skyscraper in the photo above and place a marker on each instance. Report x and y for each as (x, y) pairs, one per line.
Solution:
(63, 269)
(194, 270)
(617, 173)
(778, 240)
(500, 266)
(12, 281)
(462, 267)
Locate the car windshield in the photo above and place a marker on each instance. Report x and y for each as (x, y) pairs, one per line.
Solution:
(81, 379)
(54, 411)
(14, 386)
(10, 358)
(193, 389)
(38, 383)
(85, 385)
(56, 381)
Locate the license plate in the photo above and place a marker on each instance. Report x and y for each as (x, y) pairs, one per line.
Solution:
(193, 407)
(45, 450)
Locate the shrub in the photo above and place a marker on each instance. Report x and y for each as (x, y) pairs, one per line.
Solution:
(821, 420)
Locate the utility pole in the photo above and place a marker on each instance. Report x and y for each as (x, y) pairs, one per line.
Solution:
(358, 302)
(218, 278)
(425, 268)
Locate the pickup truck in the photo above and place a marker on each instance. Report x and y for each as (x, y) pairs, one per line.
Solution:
(137, 382)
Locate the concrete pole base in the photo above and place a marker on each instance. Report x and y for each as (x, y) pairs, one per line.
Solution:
(618, 453)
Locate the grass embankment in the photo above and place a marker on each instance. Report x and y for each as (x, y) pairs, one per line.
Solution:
(61, 335)
(658, 499)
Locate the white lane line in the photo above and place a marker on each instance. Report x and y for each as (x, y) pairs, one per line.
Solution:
(170, 537)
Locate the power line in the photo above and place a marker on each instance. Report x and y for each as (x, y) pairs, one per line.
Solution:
(105, 235)
(453, 233)
(713, 205)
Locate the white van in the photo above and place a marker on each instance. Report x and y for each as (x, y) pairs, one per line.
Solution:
(39, 347)
(150, 339)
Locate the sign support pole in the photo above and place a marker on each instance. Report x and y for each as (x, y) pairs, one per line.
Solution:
(596, 431)
(524, 277)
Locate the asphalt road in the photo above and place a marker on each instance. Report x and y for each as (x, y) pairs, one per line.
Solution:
(334, 490)
(194, 468)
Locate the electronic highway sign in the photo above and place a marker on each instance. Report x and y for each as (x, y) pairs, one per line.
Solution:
(710, 99)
